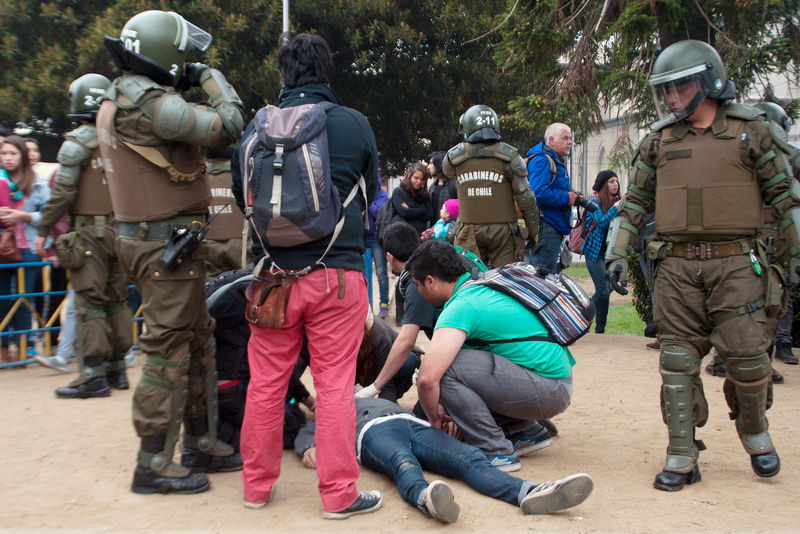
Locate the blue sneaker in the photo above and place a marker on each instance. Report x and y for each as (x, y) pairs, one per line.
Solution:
(367, 501)
(525, 444)
(506, 463)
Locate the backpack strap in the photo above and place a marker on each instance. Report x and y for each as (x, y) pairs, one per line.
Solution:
(552, 164)
(484, 343)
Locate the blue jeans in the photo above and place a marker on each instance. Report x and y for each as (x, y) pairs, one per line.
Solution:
(8, 286)
(402, 448)
(597, 270)
(379, 260)
(545, 253)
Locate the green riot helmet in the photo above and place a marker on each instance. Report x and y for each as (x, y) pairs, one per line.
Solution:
(685, 74)
(776, 114)
(85, 94)
(155, 44)
(480, 123)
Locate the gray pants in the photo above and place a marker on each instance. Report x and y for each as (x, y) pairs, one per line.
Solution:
(491, 398)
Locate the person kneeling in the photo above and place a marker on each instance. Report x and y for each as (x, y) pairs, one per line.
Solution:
(497, 394)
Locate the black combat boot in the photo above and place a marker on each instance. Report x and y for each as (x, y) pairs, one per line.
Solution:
(671, 481)
(170, 478)
(115, 373)
(91, 383)
(219, 457)
(766, 465)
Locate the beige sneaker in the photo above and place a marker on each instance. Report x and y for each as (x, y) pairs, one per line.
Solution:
(439, 501)
(549, 497)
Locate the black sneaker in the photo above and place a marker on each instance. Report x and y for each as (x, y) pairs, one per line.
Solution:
(523, 444)
(367, 501)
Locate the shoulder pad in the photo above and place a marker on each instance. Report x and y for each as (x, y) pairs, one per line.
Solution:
(86, 135)
(171, 118)
(134, 88)
(72, 153)
(457, 154)
(743, 111)
(506, 152)
(518, 166)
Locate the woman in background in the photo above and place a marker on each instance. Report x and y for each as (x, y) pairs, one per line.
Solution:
(28, 196)
(606, 198)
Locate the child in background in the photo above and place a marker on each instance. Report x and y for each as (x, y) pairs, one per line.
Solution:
(444, 228)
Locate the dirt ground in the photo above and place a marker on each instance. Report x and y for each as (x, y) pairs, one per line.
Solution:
(67, 465)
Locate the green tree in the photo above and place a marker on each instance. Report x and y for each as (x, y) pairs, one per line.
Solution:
(404, 63)
(577, 58)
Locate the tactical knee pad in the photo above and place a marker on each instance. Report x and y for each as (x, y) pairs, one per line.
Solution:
(683, 405)
(748, 392)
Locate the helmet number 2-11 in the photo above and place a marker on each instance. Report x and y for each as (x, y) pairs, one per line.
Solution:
(132, 45)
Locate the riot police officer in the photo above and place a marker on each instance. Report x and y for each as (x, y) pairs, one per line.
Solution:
(490, 176)
(705, 169)
(150, 138)
(80, 189)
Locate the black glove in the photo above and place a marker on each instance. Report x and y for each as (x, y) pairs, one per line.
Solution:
(618, 275)
(192, 72)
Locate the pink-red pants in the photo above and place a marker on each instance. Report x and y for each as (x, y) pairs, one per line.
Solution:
(334, 328)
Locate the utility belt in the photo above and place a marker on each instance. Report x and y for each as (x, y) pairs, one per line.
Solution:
(100, 222)
(157, 230)
(699, 250)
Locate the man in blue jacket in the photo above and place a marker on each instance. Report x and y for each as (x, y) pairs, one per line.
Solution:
(549, 181)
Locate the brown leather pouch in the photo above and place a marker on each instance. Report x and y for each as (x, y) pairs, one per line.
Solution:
(266, 300)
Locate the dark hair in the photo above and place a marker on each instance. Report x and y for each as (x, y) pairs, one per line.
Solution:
(304, 59)
(405, 183)
(436, 259)
(602, 192)
(436, 158)
(24, 177)
(31, 140)
(400, 239)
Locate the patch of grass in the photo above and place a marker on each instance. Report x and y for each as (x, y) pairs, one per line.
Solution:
(577, 271)
(623, 319)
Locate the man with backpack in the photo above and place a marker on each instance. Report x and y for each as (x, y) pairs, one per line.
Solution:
(495, 393)
(549, 181)
(315, 287)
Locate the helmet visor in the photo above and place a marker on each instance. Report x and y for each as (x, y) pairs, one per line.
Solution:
(680, 97)
(191, 35)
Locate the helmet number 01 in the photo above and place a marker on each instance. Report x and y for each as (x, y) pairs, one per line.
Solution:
(132, 45)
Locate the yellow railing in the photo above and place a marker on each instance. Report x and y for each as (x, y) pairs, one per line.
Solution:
(23, 297)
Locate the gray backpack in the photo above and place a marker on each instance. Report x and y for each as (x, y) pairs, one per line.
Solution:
(289, 196)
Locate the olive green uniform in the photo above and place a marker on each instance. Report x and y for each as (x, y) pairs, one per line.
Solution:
(489, 179)
(224, 238)
(104, 319)
(707, 188)
(149, 138)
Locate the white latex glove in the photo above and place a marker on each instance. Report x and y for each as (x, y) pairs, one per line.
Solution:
(369, 392)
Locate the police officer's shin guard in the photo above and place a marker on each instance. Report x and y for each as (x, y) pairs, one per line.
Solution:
(203, 451)
(684, 407)
(748, 392)
(155, 471)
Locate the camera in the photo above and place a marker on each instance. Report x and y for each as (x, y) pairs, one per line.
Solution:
(581, 202)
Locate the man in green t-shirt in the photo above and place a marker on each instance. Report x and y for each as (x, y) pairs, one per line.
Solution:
(497, 393)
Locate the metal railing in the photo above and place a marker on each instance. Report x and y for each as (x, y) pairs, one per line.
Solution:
(45, 325)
